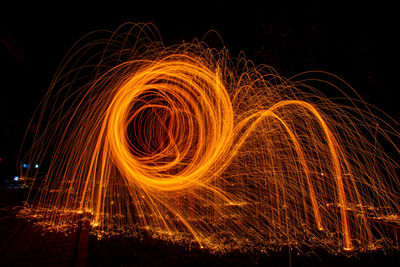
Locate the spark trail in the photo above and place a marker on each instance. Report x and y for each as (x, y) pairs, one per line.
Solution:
(190, 144)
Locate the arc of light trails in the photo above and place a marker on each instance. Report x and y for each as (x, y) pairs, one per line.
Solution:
(335, 162)
(125, 97)
(185, 111)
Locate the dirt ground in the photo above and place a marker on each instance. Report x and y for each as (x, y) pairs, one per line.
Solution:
(24, 244)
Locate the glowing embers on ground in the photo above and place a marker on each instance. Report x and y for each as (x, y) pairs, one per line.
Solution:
(191, 145)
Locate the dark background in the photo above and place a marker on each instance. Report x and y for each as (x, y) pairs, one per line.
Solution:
(355, 42)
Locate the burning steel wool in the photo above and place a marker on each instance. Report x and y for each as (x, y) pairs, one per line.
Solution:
(191, 145)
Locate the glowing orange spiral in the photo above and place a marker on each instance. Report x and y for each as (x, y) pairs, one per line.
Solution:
(189, 144)
(188, 101)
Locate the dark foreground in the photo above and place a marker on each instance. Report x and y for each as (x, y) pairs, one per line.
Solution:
(24, 244)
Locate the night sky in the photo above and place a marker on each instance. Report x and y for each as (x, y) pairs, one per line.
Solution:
(357, 43)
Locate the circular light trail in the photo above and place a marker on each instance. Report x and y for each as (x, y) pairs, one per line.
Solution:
(189, 144)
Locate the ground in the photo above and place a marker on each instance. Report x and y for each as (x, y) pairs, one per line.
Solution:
(22, 243)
